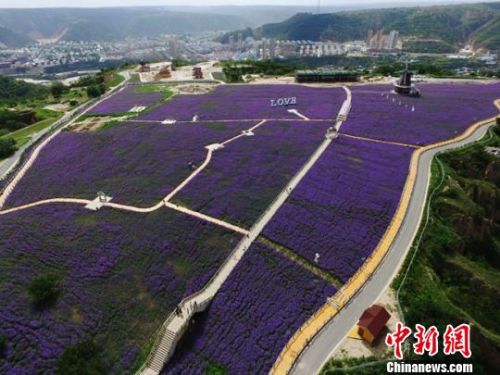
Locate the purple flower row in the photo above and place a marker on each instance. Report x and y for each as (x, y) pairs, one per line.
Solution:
(121, 273)
(132, 162)
(125, 99)
(443, 112)
(251, 102)
(344, 205)
(258, 309)
(245, 176)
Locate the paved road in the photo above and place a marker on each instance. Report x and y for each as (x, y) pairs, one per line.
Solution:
(319, 351)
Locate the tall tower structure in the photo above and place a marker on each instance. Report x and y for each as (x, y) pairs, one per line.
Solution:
(404, 85)
(240, 41)
(264, 49)
(272, 49)
(393, 39)
(369, 38)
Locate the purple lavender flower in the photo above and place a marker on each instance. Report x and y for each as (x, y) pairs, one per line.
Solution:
(124, 100)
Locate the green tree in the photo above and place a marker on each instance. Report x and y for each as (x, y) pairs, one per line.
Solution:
(215, 369)
(82, 358)
(7, 147)
(13, 91)
(44, 290)
(13, 125)
(57, 89)
(95, 91)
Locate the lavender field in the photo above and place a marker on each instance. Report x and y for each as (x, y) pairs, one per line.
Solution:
(264, 301)
(126, 99)
(132, 162)
(121, 274)
(344, 205)
(246, 175)
(443, 112)
(232, 102)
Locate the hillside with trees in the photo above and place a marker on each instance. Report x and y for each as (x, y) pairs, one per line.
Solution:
(455, 25)
(12, 39)
(107, 24)
(13, 91)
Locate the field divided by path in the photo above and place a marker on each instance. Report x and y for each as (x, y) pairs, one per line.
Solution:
(106, 142)
(116, 263)
(353, 188)
(305, 335)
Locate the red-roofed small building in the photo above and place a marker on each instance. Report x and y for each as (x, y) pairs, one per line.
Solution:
(372, 323)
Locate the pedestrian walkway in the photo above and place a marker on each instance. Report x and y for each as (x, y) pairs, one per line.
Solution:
(178, 321)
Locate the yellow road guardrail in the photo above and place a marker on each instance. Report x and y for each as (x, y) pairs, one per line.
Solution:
(311, 327)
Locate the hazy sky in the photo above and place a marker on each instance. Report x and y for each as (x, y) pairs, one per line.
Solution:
(101, 3)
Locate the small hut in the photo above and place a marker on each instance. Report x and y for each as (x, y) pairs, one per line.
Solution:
(197, 73)
(164, 73)
(372, 323)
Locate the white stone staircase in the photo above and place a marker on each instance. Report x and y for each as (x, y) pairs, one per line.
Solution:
(163, 351)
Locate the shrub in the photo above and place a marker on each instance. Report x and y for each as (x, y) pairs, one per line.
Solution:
(82, 358)
(7, 147)
(57, 89)
(44, 290)
(95, 91)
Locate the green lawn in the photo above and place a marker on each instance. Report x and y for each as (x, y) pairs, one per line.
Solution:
(23, 135)
(220, 76)
(116, 80)
(167, 93)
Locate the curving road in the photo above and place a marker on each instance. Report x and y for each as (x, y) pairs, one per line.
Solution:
(316, 354)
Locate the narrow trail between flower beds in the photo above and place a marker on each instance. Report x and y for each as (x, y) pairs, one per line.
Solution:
(303, 262)
(287, 119)
(380, 141)
(311, 345)
(177, 322)
(164, 202)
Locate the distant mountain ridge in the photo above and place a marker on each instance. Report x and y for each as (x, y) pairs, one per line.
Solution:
(105, 24)
(9, 38)
(454, 24)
